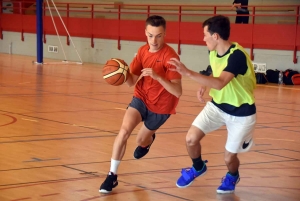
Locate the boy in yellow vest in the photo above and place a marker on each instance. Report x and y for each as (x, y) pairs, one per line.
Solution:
(232, 83)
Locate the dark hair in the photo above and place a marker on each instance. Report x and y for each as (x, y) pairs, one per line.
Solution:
(156, 21)
(218, 24)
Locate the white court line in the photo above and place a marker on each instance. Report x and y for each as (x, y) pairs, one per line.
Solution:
(30, 120)
(120, 108)
(84, 126)
(24, 82)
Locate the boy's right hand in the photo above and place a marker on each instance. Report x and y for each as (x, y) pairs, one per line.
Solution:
(200, 94)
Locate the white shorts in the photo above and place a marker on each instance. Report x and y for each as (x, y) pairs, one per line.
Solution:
(240, 129)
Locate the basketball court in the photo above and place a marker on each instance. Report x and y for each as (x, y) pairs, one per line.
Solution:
(58, 124)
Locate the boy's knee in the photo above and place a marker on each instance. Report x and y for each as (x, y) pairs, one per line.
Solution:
(230, 157)
(194, 136)
(191, 140)
(124, 134)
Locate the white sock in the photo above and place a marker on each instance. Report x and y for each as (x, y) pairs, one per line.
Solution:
(114, 164)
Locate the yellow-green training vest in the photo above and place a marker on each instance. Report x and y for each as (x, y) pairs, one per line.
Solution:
(240, 89)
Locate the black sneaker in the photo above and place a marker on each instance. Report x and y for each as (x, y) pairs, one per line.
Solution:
(142, 151)
(109, 183)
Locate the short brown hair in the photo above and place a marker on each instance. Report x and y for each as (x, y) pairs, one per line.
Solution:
(218, 24)
(156, 21)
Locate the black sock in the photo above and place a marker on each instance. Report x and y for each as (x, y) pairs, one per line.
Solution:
(234, 174)
(198, 163)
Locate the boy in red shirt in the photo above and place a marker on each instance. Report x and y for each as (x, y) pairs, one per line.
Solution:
(156, 95)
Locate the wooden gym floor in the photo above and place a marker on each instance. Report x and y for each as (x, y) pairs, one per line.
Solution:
(58, 124)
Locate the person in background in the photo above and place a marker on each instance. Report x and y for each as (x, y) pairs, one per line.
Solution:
(242, 11)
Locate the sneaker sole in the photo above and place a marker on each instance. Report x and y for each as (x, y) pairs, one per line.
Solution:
(104, 191)
(224, 192)
(190, 182)
(184, 186)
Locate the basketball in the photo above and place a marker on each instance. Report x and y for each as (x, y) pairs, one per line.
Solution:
(115, 71)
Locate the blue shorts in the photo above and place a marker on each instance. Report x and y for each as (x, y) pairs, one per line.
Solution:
(151, 120)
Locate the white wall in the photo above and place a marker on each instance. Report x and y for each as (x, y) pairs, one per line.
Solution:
(194, 56)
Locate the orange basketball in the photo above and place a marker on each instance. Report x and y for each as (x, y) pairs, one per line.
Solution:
(115, 71)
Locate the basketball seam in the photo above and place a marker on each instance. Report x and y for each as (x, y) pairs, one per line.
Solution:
(121, 65)
(119, 79)
(117, 66)
(116, 70)
(119, 71)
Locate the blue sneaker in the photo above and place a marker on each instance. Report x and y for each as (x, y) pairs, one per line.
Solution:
(188, 175)
(228, 184)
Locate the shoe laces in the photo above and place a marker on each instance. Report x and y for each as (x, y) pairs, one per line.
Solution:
(227, 180)
(111, 177)
(189, 171)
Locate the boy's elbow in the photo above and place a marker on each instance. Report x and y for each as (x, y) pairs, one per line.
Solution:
(219, 86)
(178, 94)
(129, 84)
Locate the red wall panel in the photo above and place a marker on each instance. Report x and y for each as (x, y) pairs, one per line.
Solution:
(266, 36)
(11, 22)
(172, 32)
(191, 33)
(80, 27)
(298, 36)
(132, 30)
(280, 36)
(241, 33)
(49, 26)
(29, 23)
(106, 28)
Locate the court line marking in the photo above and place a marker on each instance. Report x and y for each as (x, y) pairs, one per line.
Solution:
(29, 120)
(80, 190)
(46, 195)
(117, 108)
(41, 160)
(49, 134)
(155, 158)
(83, 126)
(143, 188)
(146, 188)
(113, 134)
(14, 119)
(27, 198)
(282, 87)
(275, 139)
(50, 120)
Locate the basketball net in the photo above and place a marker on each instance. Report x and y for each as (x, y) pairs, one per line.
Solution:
(65, 61)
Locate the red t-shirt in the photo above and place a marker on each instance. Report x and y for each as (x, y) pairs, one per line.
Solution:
(150, 91)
